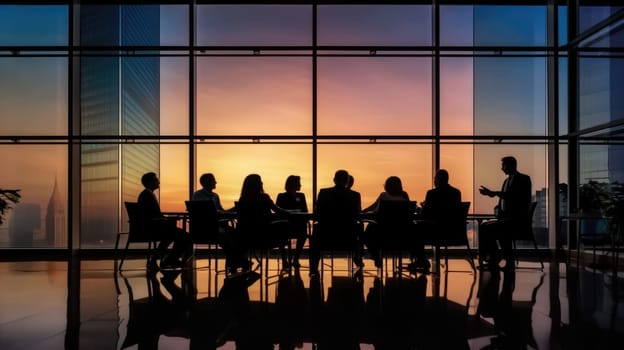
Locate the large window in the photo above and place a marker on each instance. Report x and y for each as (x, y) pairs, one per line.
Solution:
(278, 89)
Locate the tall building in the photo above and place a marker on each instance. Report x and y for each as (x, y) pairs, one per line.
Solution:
(119, 96)
(55, 220)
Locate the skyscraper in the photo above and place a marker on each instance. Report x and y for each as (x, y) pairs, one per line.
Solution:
(119, 96)
(55, 220)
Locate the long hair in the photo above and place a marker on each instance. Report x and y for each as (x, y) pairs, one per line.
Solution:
(292, 183)
(252, 186)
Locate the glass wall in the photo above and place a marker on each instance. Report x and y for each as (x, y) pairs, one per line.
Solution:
(305, 89)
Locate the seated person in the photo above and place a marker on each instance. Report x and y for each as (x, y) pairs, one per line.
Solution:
(337, 221)
(165, 229)
(440, 202)
(233, 256)
(393, 192)
(206, 193)
(293, 199)
(257, 221)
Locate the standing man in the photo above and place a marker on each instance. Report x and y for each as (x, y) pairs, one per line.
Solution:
(512, 214)
(337, 221)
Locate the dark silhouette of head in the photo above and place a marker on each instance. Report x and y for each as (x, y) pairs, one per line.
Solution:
(441, 178)
(293, 183)
(208, 181)
(393, 185)
(509, 164)
(252, 186)
(341, 178)
(150, 180)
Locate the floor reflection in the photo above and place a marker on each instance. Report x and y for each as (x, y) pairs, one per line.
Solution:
(198, 308)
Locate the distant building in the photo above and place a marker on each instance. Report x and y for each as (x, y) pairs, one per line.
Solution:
(55, 220)
(24, 224)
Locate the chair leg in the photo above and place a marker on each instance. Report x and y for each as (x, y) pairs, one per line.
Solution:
(116, 246)
(537, 252)
(471, 258)
(123, 255)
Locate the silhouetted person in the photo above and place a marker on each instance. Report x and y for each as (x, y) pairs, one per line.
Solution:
(234, 255)
(372, 237)
(337, 221)
(165, 229)
(207, 193)
(512, 213)
(295, 200)
(441, 204)
(258, 224)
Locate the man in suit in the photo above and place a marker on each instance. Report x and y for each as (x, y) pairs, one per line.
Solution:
(165, 229)
(336, 213)
(441, 204)
(512, 213)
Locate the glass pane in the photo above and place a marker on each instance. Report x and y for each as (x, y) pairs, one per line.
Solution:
(531, 161)
(456, 25)
(41, 25)
(39, 219)
(174, 177)
(374, 25)
(563, 24)
(600, 90)
(378, 96)
(254, 96)
(140, 80)
(458, 161)
(99, 97)
(136, 160)
(509, 25)
(99, 195)
(371, 164)
(510, 96)
(111, 25)
(254, 25)
(230, 164)
(174, 96)
(33, 96)
(589, 15)
(456, 96)
(174, 26)
(563, 96)
(140, 95)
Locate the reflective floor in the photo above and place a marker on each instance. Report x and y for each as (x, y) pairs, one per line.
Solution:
(87, 305)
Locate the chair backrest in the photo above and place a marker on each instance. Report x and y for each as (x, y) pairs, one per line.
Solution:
(203, 222)
(139, 230)
(524, 231)
(395, 215)
(454, 230)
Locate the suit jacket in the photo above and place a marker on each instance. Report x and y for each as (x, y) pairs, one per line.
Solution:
(440, 202)
(286, 201)
(148, 205)
(516, 197)
(337, 209)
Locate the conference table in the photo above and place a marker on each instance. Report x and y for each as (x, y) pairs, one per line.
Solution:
(298, 216)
